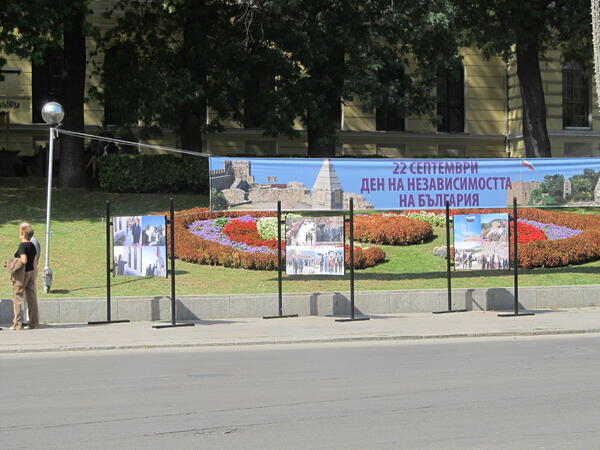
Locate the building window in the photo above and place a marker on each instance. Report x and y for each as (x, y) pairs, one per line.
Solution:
(120, 62)
(577, 149)
(258, 99)
(451, 101)
(47, 82)
(576, 104)
(388, 118)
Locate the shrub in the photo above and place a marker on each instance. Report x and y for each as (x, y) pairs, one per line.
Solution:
(391, 229)
(153, 173)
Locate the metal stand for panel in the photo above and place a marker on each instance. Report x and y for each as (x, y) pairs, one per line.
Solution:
(448, 265)
(280, 315)
(516, 312)
(109, 273)
(352, 317)
(173, 323)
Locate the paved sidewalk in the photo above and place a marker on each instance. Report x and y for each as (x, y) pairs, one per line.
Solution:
(311, 329)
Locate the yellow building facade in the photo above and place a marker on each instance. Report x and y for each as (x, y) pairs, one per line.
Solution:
(482, 117)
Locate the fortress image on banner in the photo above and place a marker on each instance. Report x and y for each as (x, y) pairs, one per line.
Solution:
(237, 184)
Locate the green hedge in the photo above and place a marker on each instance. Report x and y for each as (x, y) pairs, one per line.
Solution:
(153, 173)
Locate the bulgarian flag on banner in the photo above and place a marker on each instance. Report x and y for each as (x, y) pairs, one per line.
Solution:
(528, 165)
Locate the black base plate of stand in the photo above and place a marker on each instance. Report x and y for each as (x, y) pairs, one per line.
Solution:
(450, 311)
(104, 322)
(173, 325)
(285, 316)
(517, 314)
(350, 319)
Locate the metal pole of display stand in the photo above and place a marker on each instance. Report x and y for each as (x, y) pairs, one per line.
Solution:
(109, 272)
(352, 317)
(449, 265)
(516, 312)
(173, 323)
(279, 270)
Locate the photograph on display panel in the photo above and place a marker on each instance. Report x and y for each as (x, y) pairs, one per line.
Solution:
(127, 231)
(128, 261)
(315, 246)
(154, 259)
(481, 242)
(140, 246)
(154, 230)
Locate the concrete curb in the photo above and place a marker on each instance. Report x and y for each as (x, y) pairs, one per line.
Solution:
(332, 340)
(208, 307)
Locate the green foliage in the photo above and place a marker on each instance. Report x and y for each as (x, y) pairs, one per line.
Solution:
(436, 220)
(153, 173)
(523, 30)
(582, 186)
(221, 221)
(168, 62)
(537, 196)
(553, 186)
(218, 202)
(356, 48)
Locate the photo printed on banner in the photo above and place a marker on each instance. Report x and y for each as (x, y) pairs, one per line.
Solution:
(128, 260)
(154, 231)
(127, 231)
(139, 244)
(481, 242)
(154, 259)
(315, 245)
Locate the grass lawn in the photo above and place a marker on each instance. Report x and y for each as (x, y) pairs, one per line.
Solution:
(78, 254)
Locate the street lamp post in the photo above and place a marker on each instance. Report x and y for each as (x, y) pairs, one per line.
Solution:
(53, 114)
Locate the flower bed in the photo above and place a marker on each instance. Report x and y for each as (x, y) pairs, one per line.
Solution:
(391, 229)
(206, 237)
(570, 238)
(527, 233)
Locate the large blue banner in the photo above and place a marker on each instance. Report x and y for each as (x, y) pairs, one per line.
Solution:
(328, 184)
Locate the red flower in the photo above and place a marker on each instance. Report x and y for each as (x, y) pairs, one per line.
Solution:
(527, 233)
(247, 233)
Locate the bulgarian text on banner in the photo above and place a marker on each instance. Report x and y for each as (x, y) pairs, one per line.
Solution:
(328, 184)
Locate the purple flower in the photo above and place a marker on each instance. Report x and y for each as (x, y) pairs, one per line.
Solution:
(210, 231)
(553, 232)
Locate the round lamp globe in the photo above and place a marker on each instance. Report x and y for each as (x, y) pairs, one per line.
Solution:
(53, 113)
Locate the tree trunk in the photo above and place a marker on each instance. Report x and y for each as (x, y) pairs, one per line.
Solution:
(535, 132)
(72, 157)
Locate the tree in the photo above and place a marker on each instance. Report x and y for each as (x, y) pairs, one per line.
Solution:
(553, 186)
(29, 29)
(525, 30)
(180, 57)
(379, 51)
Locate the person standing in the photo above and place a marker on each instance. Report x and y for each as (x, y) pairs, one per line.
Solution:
(26, 289)
(38, 252)
(136, 232)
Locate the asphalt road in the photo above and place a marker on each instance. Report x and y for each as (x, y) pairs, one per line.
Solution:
(466, 393)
